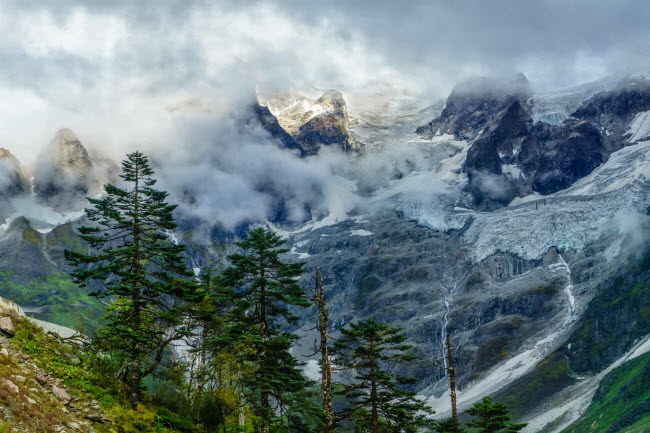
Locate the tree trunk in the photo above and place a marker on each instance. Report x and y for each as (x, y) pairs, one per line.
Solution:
(452, 380)
(326, 366)
(374, 415)
(134, 387)
(264, 398)
(135, 296)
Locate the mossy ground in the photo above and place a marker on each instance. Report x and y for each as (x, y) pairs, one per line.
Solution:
(74, 368)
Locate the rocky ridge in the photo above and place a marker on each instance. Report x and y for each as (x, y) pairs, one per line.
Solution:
(511, 156)
(310, 123)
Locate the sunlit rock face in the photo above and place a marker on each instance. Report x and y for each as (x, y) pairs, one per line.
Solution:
(311, 124)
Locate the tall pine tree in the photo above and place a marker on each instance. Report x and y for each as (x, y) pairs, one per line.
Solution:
(376, 399)
(141, 272)
(264, 289)
(491, 417)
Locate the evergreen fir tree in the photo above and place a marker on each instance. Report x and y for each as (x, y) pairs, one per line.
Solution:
(450, 425)
(375, 398)
(263, 289)
(492, 417)
(139, 269)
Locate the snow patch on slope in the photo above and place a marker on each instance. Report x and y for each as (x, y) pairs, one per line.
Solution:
(639, 128)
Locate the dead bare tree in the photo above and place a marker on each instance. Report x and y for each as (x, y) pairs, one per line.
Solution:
(326, 367)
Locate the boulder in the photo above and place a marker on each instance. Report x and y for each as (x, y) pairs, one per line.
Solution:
(7, 326)
(96, 417)
(10, 386)
(61, 394)
(20, 379)
(40, 378)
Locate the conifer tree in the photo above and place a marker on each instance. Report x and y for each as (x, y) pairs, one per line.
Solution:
(264, 289)
(450, 425)
(139, 270)
(375, 398)
(492, 417)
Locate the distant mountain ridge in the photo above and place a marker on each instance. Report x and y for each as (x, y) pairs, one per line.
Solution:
(478, 220)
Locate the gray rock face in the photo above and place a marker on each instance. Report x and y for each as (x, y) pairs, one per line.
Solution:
(554, 157)
(326, 129)
(474, 103)
(22, 254)
(510, 157)
(63, 172)
(612, 111)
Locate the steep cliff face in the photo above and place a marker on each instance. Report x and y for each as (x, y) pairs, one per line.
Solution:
(474, 103)
(511, 156)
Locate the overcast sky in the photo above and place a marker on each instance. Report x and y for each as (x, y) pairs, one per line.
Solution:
(116, 71)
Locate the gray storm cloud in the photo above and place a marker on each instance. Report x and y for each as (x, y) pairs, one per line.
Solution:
(174, 79)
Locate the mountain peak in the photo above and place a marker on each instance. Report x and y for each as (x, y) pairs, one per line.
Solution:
(311, 123)
(13, 181)
(4, 153)
(69, 153)
(63, 170)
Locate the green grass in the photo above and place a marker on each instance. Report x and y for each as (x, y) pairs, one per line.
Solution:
(76, 369)
(614, 319)
(551, 375)
(65, 303)
(621, 403)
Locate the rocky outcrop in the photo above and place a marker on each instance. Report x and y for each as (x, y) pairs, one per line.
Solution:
(7, 326)
(509, 156)
(36, 396)
(63, 173)
(496, 146)
(329, 128)
(13, 181)
(613, 112)
(297, 122)
(474, 103)
(554, 157)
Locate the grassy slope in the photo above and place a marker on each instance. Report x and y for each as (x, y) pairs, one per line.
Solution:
(74, 368)
(614, 320)
(622, 402)
(64, 302)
